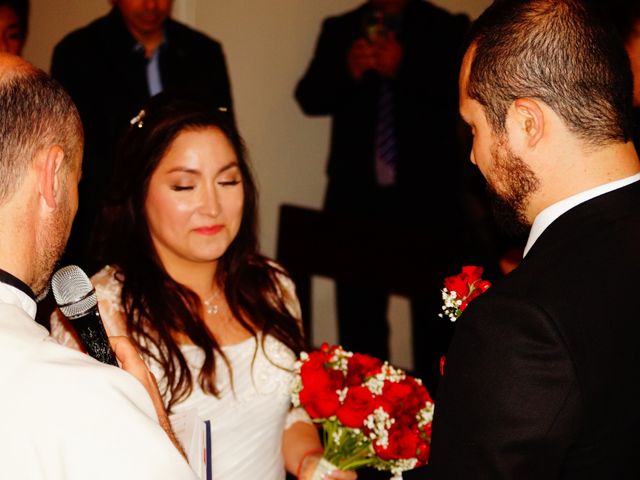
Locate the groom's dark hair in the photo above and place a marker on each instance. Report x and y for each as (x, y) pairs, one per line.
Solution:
(559, 51)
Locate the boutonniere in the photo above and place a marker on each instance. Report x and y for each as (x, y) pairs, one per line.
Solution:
(460, 289)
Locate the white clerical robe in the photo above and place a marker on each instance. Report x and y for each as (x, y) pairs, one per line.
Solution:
(66, 416)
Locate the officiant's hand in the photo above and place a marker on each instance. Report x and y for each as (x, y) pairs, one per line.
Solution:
(131, 361)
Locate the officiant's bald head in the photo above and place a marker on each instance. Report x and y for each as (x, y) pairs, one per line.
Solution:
(35, 113)
(40, 163)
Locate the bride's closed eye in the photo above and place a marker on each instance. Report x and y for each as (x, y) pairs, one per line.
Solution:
(229, 183)
(181, 188)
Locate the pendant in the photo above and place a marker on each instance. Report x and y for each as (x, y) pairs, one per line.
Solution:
(212, 309)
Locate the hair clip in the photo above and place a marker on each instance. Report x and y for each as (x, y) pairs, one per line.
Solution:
(138, 119)
(222, 109)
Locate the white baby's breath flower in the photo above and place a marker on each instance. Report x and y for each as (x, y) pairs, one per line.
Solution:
(379, 422)
(340, 359)
(451, 305)
(392, 374)
(375, 384)
(342, 394)
(425, 415)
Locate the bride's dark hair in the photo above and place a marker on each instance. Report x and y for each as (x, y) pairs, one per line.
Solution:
(156, 307)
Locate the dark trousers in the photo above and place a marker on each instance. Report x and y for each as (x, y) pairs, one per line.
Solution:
(362, 311)
(363, 327)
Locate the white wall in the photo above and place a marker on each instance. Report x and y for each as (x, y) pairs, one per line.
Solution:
(268, 44)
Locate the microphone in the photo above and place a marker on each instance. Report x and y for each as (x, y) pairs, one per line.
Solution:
(77, 300)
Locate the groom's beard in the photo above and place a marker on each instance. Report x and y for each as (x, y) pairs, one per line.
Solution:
(517, 182)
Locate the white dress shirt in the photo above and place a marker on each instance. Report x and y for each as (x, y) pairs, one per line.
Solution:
(552, 212)
(65, 416)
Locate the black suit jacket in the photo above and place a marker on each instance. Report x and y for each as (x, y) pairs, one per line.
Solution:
(542, 379)
(106, 78)
(426, 109)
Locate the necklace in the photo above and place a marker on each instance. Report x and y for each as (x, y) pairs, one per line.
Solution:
(210, 307)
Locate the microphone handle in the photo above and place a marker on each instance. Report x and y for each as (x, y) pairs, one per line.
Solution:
(91, 331)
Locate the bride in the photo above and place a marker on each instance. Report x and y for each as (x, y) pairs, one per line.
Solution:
(218, 323)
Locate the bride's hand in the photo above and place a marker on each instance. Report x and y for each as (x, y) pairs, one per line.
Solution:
(342, 475)
(310, 464)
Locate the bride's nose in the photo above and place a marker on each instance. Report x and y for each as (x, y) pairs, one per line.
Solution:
(210, 202)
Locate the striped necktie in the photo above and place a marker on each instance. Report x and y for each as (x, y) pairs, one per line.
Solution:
(385, 142)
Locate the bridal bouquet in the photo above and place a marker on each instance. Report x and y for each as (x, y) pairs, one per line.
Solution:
(371, 413)
(460, 289)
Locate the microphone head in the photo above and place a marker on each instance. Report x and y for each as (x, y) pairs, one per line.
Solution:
(73, 291)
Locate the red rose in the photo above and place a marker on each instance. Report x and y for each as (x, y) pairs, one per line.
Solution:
(396, 396)
(419, 390)
(423, 453)
(472, 272)
(479, 287)
(468, 284)
(460, 283)
(316, 375)
(319, 403)
(426, 431)
(318, 357)
(403, 443)
(360, 367)
(403, 400)
(358, 404)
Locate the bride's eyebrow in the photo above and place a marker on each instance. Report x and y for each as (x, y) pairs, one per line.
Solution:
(228, 166)
(184, 170)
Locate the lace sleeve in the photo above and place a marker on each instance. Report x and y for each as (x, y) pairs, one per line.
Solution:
(296, 415)
(108, 290)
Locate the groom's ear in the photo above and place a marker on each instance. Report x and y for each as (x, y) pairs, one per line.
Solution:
(527, 116)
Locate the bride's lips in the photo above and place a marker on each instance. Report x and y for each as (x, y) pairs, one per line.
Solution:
(210, 230)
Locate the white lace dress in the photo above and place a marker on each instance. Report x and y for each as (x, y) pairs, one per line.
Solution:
(247, 423)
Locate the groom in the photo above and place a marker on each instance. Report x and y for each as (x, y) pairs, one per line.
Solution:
(542, 379)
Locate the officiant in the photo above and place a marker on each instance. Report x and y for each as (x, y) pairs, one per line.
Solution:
(64, 416)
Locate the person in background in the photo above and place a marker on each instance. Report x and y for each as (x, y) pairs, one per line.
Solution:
(110, 68)
(217, 322)
(386, 75)
(543, 372)
(626, 18)
(64, 415)
(14, 25)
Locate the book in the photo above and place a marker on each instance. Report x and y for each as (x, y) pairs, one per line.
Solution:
(194, 434)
